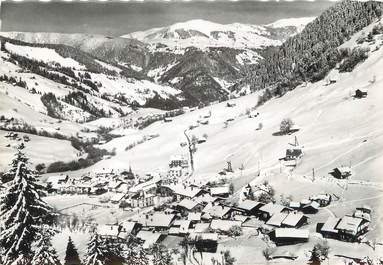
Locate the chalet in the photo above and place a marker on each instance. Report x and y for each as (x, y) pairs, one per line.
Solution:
(341, 172)
(179, 161)
(253, 114)
(175, 172)
(328, 229)
(310, 208)
(293, 154)
(61, 179)
(113, 232)
(361, 93)
(202, 228)
(188, 205)
(157, 221)
(118, 186)
(217, 211)
(351, 228)
(277, 219)
(222, 191)
(168, 119)
(148, 187)
(294, 219)
(348, 228)
(289, 236)
(180, 227)
(130, 228)
(181, 191)
(149, 238)
(224, 226)
(249, 207)
(207, 198)
(323, 199)
(205, 242)
(230, 104)
(142, 200)
(363, 212)
(268, 210)
(194, 217)
(295, 205)
(117, 197)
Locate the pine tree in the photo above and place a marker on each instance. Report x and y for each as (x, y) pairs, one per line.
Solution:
(45, 254)
(96, 251)
(71, 254)
(161, 255)
(22, 212)
(114, 254)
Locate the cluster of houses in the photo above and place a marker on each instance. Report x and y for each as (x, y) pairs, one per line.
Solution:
(201, 214)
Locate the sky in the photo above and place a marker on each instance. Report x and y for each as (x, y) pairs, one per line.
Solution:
(119, 18)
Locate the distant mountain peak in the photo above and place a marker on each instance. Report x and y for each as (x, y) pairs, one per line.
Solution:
(202, 33)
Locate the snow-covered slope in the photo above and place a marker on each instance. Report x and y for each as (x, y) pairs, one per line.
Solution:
(201, 34)
(298, 23)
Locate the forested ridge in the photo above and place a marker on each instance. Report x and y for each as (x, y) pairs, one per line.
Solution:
(310, 55)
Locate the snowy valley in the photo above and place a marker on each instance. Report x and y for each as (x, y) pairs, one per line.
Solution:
(175, 155)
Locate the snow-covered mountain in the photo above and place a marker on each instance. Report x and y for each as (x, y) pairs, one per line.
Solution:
(202, 33)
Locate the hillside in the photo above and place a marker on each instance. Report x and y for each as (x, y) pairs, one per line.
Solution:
(202, 61)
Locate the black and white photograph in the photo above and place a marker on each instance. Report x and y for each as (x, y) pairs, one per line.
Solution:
(191, 132)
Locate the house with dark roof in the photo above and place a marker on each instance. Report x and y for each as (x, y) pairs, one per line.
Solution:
(249, 207)
(270, 209)
(349, 228)
(341, 172)
(293, 154)
(289, 236)
(361, 93)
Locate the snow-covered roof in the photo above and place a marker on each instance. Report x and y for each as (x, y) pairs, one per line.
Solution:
(56, 179)
(224, 225)
(219, 190)
(128, 226)
(206, 198)
(330, 224)
(218, 211)
(188, 204)
(292, 219)
(184, 190)
(321, 197)
(204, 236)
(157, 220)
(149, 237)
(343, 169)
(313, 204)
(241, 218)
(248, 205)
(350, 224)
(272, 208)
(117, 197)
(294, 204)
(201, 227)
(277, 219)
(194, 216)
(183, 225)
(108, 230)
(291, 233)
(144, 186)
